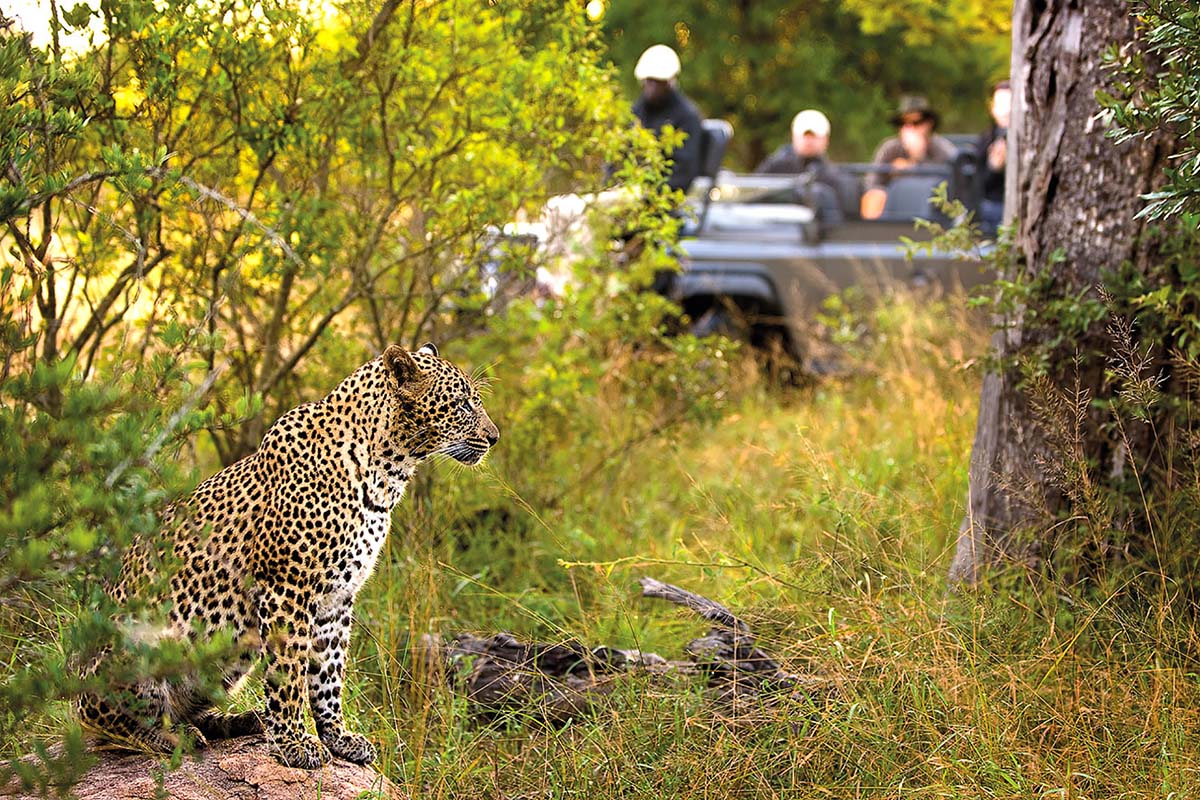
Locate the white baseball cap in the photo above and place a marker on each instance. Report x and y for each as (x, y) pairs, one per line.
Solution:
(810, 120)
(659, 62)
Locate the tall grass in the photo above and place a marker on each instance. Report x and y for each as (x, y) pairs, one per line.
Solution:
(826, 517)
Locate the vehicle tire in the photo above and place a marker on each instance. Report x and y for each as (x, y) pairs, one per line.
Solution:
(768, 344)
(780, 365)
(722, 321)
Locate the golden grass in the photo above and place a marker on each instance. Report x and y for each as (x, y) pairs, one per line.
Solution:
(826, 517)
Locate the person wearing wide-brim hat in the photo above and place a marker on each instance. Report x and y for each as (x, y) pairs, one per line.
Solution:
(914, 108)
(914, 143)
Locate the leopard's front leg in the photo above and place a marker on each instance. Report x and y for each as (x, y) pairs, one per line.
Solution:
(285, 624)
(326, 674)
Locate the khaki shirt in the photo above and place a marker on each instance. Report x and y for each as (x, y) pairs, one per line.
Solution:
(941, 151)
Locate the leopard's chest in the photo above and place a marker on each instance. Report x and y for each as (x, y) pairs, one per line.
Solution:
(368, 503)
(362, 551)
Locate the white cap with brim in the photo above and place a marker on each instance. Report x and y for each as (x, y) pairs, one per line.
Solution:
(810, 120)
(658, 62)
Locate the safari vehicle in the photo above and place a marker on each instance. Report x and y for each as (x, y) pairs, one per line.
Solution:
(765, 251)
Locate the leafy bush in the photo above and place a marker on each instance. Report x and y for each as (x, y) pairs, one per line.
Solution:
(212, 218)
(86, 465)
(1159, 89)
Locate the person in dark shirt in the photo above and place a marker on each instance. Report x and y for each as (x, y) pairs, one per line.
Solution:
(805, 155)
(806, 151)
(991, 154)
(662, 103)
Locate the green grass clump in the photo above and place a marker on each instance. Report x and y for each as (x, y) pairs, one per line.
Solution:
(826, 517)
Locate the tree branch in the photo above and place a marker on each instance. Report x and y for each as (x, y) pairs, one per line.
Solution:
(138, 269)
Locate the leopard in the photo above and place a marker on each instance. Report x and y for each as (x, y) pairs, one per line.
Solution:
(272, 551)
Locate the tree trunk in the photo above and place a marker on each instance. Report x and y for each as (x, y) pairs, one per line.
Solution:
(1073, 193)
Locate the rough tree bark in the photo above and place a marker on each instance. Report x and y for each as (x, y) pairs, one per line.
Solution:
(1074, 192)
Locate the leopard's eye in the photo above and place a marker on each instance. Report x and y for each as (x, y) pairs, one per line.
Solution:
(465, 405)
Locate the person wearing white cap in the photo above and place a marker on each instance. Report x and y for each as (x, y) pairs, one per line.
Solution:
(805, 155)
(806, 151)
(661, 103)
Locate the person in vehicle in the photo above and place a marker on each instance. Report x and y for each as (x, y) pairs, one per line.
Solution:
(806, 151)
(805, 155)
(991, 153)
(662, 103)
(915, 143)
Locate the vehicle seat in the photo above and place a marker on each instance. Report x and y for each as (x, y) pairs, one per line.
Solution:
(967, 185)
(849, 194)
(715, 135)
(908, 198)
(823, 199)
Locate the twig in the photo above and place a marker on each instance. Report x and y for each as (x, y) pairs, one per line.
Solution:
(171, 425)
(710, 610)
(245, 213)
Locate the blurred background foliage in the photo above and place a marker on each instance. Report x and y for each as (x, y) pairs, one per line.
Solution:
(757, 64)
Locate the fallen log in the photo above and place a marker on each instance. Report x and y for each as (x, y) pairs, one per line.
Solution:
(559, 681)
(740, 674)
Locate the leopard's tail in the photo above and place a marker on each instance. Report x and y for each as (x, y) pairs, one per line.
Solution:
(149, 718)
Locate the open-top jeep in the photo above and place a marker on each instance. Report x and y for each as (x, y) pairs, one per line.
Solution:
(765, 251)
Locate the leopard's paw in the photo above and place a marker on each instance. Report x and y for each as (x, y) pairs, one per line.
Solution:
(352, 747)
(304, 752)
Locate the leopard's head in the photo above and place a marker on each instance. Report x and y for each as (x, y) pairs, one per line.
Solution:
(439, 408)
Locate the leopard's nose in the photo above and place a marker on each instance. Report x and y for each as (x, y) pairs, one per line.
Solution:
(492, 434)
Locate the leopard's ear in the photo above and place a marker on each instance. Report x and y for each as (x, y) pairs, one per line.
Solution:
(400, 363)
(429, 349)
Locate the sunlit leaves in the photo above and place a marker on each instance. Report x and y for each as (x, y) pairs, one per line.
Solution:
(929, 22)
(221, 208)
